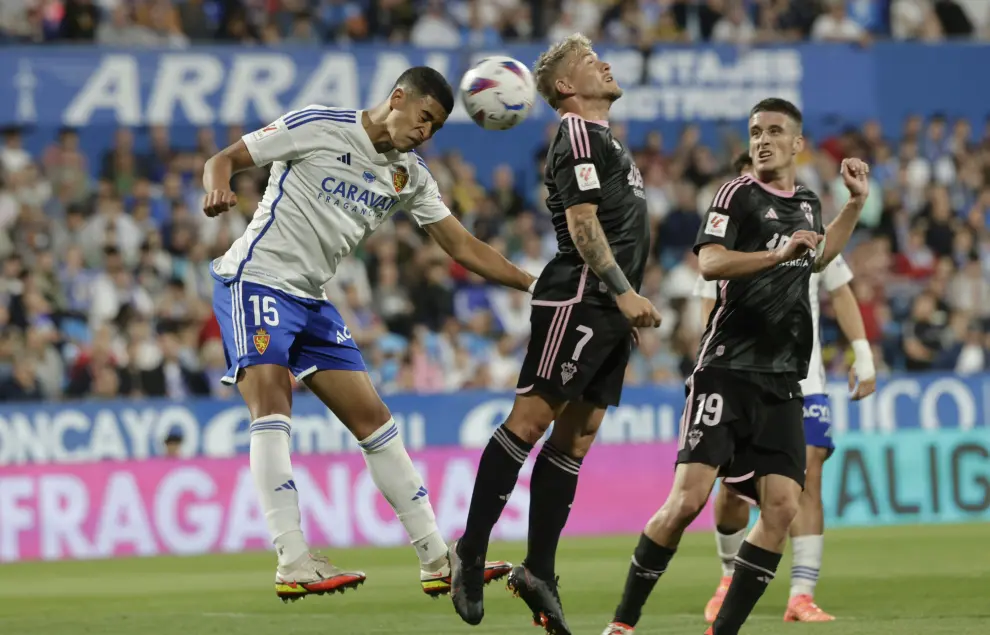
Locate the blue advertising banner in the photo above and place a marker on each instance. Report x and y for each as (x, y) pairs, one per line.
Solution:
(117, 430)
(917, 476)
(96, 89)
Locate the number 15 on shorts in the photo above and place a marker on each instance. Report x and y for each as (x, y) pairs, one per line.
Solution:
(264, 308)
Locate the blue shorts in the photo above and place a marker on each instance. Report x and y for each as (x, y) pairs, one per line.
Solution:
(262, 325)
(818, 422)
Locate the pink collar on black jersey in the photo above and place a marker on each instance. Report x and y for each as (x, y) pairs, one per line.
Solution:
(576, 116)
(775, 192)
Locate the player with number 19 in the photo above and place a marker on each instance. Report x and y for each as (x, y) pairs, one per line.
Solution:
(732, 511)
(336, 176)
(761, 238)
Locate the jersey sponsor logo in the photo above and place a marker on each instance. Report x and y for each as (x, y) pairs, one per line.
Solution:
(267, 131)
(369, 176)
(587, 177)
(716, 224)
(343, 336)
(400, 177)
(261, 340)
(771, 214)
(352, 198)
(820, 412)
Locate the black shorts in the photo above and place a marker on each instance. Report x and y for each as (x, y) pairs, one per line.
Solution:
(746, 424)
(577, 352)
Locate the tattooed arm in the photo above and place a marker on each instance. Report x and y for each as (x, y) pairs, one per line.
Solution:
(591, 243)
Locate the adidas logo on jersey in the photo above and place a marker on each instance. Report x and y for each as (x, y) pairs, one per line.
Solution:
(345, 158)
(772, 215)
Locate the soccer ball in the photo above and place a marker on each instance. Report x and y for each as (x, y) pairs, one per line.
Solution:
(498, 92)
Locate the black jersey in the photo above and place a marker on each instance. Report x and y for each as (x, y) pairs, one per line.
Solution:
(585, 164)
(762, 323)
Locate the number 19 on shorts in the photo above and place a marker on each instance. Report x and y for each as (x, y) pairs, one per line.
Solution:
(709, 409)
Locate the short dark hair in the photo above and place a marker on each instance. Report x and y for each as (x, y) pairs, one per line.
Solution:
(776, 104)
(742, 162)
(427, 82)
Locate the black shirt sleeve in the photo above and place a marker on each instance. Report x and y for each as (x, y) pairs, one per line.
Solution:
(725, 215)
(578, 163)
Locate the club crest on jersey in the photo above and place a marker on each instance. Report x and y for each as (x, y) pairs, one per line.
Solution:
(400, 177)
(261, 340)
(806, 208)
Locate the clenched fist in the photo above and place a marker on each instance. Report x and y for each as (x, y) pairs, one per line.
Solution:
(638, 310)
(219, 201)
(856, 176)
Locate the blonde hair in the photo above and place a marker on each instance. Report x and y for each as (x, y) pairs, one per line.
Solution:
(548, 66)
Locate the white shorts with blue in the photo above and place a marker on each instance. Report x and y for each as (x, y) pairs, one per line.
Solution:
(818, 422)
(262, 325)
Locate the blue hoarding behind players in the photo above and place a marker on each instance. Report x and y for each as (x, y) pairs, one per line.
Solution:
(94, 431)
(96, 89)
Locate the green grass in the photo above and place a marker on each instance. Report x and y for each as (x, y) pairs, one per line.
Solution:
(924, 580)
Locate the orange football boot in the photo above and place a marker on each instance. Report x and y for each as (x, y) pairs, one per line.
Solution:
(802, 608)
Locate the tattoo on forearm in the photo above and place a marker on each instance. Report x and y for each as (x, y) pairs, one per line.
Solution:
(589, 238)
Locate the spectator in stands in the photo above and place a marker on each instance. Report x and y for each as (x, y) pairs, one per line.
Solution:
(173, 444)
(835, 25)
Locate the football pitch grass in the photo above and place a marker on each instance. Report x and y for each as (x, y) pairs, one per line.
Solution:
(917, 580)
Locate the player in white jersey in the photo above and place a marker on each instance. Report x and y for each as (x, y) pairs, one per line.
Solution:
(336, 175)
(732, 510)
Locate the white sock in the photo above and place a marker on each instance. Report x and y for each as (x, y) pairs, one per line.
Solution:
(728, 547)
(397, 479)
(271, 468)
(806, 564)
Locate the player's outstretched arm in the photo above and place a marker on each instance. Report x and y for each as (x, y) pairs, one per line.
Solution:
(856, 175)
(589, 238)
(863, 375)
(477, 256)
(216, 177)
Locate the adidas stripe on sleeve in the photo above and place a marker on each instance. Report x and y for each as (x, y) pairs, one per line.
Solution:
(296, 134)
(577, 169)
(721, 222)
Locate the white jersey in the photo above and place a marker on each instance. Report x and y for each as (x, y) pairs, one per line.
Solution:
(328, 190)
(836, 274)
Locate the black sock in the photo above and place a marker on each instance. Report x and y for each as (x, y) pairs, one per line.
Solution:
(648, 564)
(497, 473)
(551, 491)
(755, 568)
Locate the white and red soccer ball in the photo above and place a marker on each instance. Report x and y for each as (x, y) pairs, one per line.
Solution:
(498, 92)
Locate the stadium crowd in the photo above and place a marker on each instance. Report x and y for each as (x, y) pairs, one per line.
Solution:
(105, 289)
(104, 260)
(455, 23)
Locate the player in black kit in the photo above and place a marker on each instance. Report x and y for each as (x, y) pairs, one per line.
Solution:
(585, 307)
(743, 419)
